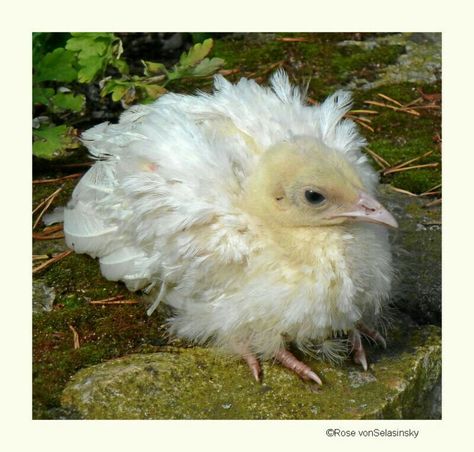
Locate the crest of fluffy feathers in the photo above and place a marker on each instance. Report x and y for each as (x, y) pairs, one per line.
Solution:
(164, 209)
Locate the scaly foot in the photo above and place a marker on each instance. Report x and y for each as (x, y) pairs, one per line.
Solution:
(358, 352)
(242, 349)
(301, 369)
(254, 365)
(373, 334)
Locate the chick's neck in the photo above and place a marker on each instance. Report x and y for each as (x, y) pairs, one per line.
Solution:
(305, 244)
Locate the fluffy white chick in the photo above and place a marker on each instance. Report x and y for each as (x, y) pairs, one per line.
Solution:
(252, 214)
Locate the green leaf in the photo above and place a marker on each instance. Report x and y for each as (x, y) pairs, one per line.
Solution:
(94, 52)
(196, 54)
(87, 46)
(207, 67)
(118, 88)
(121, 65)
(118, 92)
(39, 41)
(44, 43)
(199, 37)
(68, 101)
(42, 95)
(154, 91)
(152, 68)
(90, 67)
(58, 66)
(53, 142)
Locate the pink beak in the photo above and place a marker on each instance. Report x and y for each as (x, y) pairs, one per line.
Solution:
(369, 210)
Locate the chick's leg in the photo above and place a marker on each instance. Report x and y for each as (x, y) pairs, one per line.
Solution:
(358, 351)
(243, 350)
(373, 334)
(288, 360)
(254, 365)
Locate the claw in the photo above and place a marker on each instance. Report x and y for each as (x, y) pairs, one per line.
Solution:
(301, 369)
(254, 366)
(243, 350)
(359, 356)
(373, 334)
(311, 375)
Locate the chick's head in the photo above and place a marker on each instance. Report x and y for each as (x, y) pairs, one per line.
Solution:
(303, 183)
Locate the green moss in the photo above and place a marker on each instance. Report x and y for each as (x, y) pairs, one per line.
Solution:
(351, 61)
(249, 54)
(399, 136)
(105, 332)
(200, 384)
(42, 191)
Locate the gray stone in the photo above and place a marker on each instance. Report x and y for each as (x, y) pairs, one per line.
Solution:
(417, 256)
(43, 296)
(420, 63)
(198, 383)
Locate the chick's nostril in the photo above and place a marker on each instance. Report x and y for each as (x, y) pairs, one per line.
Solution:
(368, 209)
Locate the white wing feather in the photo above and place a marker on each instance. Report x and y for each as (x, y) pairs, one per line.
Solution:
(166, 191)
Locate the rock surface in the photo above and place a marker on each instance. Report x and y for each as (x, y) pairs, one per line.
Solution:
(199, 384)
(421, 62)
(43, 296)
(417, 256)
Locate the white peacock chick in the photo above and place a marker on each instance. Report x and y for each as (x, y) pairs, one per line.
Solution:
(249, 212)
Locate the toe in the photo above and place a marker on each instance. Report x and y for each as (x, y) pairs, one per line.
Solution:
(288, 360)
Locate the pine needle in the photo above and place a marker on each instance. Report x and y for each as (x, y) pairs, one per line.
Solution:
(391, 107)
(358, 118)
(401, 165)
(414, 102)
(430, 193)
(75, 336)
(400, 190)
(436, 202)
(227, 72)
(76, 165)
(114, 298)
(50, 233)
(384, 96)
(378, 159)
(365, 112)
(296, 39)
(104, 302)
(364, 125)
(431, 189)
(54, 228)
(42, 203)
(117, 299)
(399, 170)
(37, 257)
(51, 261)
(40, 236)
(48, 201)
(59, 179)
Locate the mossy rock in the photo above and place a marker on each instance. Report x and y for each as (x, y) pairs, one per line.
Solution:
(417, 256)
(198, 383)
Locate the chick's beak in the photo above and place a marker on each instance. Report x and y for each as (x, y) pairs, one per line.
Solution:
(368, 209)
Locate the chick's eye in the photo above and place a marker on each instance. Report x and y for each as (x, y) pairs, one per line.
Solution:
(313, 197)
